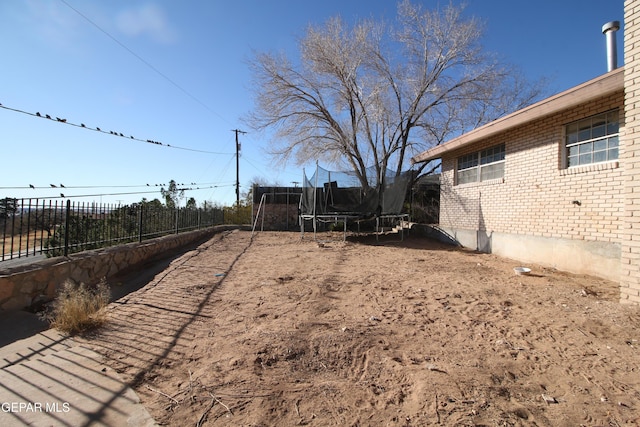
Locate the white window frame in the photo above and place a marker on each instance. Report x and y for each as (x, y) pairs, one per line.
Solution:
(481, 160)
(601, 143)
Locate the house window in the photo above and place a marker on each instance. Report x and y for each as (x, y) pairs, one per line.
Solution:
(481, 166)
(592, 140)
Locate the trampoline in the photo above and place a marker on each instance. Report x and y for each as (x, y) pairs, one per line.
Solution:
(342, 196)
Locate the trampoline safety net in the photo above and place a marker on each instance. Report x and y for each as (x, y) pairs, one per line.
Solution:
(341, 193)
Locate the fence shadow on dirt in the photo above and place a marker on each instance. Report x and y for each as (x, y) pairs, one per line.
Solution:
(162, 311)
(83, 375)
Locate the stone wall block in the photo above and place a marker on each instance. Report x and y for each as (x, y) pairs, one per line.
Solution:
(21, 286)
(119, 257)
(82, 271)
(115, 267)
(28, 287)
(101, 268)
(50, 291)
(6, 288)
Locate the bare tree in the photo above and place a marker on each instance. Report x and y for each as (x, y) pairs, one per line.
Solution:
(377, 94)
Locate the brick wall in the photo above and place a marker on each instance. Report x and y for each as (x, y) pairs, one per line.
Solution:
(537, 193)
(630, 257)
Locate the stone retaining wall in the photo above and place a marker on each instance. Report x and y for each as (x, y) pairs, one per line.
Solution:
(22, 286)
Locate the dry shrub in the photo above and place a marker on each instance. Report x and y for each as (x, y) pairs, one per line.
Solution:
(78, 307)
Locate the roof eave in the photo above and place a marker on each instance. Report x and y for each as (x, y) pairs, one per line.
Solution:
(600, 86)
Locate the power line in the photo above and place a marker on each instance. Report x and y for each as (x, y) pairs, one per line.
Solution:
(64, 187)
(63, 196)
(63, 121)
(145, 62)
(222, 173)
(246, 159)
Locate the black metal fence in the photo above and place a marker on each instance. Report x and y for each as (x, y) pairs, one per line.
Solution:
(30, 227)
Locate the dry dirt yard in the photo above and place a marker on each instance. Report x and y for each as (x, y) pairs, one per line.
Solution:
(279, 331)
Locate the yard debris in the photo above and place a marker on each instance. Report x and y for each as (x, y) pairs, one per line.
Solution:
(549, 399)
(435, 368)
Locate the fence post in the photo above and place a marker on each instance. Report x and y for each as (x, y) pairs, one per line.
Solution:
(28, 222)
(177, 213)
(66, 228)
(13, 228)
(140, 223)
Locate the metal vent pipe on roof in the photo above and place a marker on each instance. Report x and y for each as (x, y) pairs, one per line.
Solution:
(609, 30)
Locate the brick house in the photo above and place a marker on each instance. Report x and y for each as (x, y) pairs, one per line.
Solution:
(556, 183)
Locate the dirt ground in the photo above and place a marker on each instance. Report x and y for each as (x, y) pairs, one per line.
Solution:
(279, 331)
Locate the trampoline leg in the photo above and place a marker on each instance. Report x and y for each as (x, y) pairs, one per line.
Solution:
(344, 233)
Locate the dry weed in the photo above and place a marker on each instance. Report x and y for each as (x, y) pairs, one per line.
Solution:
(79, 307)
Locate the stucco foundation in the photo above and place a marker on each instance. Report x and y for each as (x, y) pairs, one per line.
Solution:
(600, 259)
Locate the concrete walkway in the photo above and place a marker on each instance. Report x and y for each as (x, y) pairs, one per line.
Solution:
(50, 380)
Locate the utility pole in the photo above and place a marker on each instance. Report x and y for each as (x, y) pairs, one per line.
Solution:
(237, 131)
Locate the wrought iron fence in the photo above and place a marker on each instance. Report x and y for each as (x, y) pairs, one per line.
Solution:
(30, 227)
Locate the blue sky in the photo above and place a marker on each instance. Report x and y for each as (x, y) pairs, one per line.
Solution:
(176, 72)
